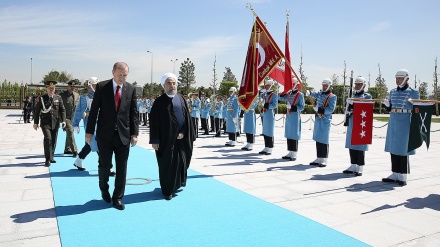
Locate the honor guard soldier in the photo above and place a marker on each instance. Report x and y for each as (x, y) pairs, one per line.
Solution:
(70, 100)
(82, 112)
(324, 107)
(50, 109)
(27, 106)
(270, 103)
(225, 110)
(357, 152)
(204, 113)
(195, 112)
(250, 126)
(399, 123)
(232, 111)
(211, 114)
(218, 115)
(294, 104)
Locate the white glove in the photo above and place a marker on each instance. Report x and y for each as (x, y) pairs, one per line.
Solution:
(288, 106)
(76, 129)
(307, 93)
(234, 120)
(349, 101)
(315, 108)
(386, 102)
(348, 112)
(263, 90)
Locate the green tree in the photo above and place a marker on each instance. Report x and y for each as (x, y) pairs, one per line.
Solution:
(423, 90)
(152, 89)
(186, 75)
(214, 77)
(228, 75)
(54, 75)
(225, 86)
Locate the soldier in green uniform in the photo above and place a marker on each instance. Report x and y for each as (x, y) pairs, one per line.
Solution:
(70, 100)
(50, 109)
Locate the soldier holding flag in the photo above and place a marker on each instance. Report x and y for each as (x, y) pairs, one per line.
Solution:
(270, 103)
(399, 105)
(357, 152)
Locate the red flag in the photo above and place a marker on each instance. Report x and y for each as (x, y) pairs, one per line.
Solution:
(362, 131)
(262, 56)
(278, 73)
(288, 82)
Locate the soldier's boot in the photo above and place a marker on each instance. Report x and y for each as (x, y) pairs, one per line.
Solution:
(233, 143)
(323, 162)
(402, 179)
(350, 170)
(78, 164)
(269, 151)
(264, 151)
(316, 162)
(293, 155)
(251, 145)
(359, 170)
(245, 147)
(288, 155)
(391, 178)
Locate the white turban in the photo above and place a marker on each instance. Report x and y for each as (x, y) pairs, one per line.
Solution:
(166, 76)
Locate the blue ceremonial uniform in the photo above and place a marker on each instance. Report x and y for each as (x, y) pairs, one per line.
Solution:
(292, 128)
(82, 112)
(232, 111)
(217, 110)
(321, 131)
(400, 120)
(250, 119)
(195, 112)
(204, 112)
(270, 103)
(348, 145)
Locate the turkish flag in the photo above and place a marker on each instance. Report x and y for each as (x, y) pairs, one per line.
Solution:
(262, 56)
(362, 131)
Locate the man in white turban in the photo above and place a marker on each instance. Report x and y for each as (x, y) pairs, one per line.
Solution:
(172, 136)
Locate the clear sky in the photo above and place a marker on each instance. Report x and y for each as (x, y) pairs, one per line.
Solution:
(85, 38)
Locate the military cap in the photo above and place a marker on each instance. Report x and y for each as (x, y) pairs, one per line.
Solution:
(50, 83)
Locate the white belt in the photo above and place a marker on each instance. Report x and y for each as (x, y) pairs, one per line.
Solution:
(400, 110)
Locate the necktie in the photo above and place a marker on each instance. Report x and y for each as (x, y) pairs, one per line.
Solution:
(117, 97)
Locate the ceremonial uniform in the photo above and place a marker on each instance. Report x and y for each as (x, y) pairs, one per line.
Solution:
(211, 118)
(357, 152)
(218, 116)
(195, 113)
(225, 109)
(292, 130)
(149, 105)
(27, 106)
(324, 108)
(51, 111)
(270, 103)
(70, 100)
(232, 111)
(250, 126)
(204, 114)
(399, 127)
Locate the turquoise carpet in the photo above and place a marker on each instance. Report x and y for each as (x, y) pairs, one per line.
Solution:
(205, 213)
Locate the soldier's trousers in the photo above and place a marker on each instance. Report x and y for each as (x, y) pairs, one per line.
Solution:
(357, 157)
(321, 150)
(50, 141)
(292, 145)
(399, 163)
(211, 119)
(70, 138)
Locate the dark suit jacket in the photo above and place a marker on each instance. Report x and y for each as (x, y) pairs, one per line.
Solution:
(103, 113)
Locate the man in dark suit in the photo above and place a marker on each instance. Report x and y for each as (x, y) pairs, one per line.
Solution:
(115, 115)
(50, 108)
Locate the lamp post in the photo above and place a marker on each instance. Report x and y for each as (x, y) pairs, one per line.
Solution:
(151, 67)
(174, 65)
(31, 71)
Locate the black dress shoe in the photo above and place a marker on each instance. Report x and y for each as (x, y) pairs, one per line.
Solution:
(388, 180)
(68, 152)
(262, 152)
(217, 136)
(74, 154)
(358, 174)
(314, 164)
(285, 158)
(292, 159)
(321, 165)
(106, 196)
(112, 173)
(169, 197)
(348, 172)
(47, 163)
(118, 204)
(53, 161)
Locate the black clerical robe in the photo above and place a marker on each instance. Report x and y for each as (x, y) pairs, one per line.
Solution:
(174, 155)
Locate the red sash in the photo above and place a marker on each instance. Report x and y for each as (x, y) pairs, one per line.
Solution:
(268, 100)
(294, 101)
(325, 103)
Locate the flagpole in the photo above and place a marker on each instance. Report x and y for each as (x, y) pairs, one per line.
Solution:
(366, 100)
(249, 6)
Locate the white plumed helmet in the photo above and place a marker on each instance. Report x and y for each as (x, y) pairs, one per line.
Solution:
(92, 80)
(328, 82)
(232, 89)
(402, 73)
(358, 80)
